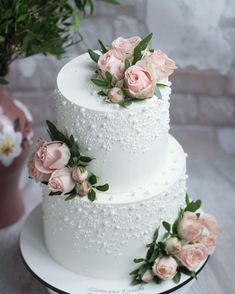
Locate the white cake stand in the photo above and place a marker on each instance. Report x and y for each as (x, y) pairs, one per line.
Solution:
(60, 280)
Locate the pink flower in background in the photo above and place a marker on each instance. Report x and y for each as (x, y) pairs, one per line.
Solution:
(35, 173)
(165, 267)
(61, 181)
(190, 227)
(115, 95)
(126, 46)
(80, 174)
(112, 61)
(139, 83)
(51, 156)
(83, 188)
(208, 239)
(192, 255)
(210, 223)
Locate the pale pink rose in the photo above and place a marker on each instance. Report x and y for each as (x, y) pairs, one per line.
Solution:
(210, 223)
(35, 173)
(192, 255)
(173, 246)
(161, 64)
(147, 276)
(165, 267)
(61, 181)
(208, 239)
(112, 61)
(190, 227)
(126, 46)
(80, 174)
(83, 188)
(51, 156)
(139, 82)
(115, 95)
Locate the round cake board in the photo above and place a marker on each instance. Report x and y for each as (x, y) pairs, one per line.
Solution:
(61, 280)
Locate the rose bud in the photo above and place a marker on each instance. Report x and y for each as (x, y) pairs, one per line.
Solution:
(190, 227)
(83, 188)
(165, 267)
(115, 95)
(173, 246)
(61, 181)
(80, 174)
(147, 276)
(51, 156)
(192, 255)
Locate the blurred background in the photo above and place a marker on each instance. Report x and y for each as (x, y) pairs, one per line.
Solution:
(200, 37)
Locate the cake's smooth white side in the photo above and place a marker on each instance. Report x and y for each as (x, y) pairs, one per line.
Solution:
(129, 145)
(101, 239)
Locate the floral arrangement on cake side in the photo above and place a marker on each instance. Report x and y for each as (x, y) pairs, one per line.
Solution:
(184, 246)
(129, 70)
(59, 165)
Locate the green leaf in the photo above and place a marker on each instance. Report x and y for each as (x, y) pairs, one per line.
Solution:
(71, 196)
(187, 199)
(103, 48)
(174, 227)
(143, 268)
(167, 226)
(92, 195)
(86, 158)
(150, 252)
(140, 47)
(76, 18)
(3, 81)
(100, 83)
(111, 1)
(135, 272)
(102, 93)
(125, 103)
(157, 280)
(2, 39)
(177, 277)
(44, 183)
(93, 55)
(187, 272)
(135, 281)
(109, 78)
(54, 193)
(127, 64)
(55, 134)
(102, 188)
(193, 206)
(157, 92)
(155, 234)
(92, 179)
(154, 255)
(138, 260)
(74, 150)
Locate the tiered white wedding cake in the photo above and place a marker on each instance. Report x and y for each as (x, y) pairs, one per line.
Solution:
(126, 135)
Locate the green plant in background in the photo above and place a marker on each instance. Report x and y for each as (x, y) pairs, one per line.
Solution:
(29, 27)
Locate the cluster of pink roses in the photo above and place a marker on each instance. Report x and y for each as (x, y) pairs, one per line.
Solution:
(135, 78)
(49, 165)
(195, 241)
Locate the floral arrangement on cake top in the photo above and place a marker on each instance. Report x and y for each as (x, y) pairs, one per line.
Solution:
(129, 70)
(59, 165)
(184, 246)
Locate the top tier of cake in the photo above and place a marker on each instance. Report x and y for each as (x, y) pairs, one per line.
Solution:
(129, 144)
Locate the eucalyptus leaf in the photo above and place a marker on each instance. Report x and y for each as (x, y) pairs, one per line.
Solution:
(141, 47)
(91, 195)
(125, 103)
(135, 282)
(155, 234)
(102, 188)
(127, 64)
(108, 78)
(177, 277)
(71, 196)
(92, 179)
(187, 198)
(100, 83)
(167, 226)
(93, 55)
(103, 48)
(138, 260)
(193, 206)
(86, 159)
(54, 193)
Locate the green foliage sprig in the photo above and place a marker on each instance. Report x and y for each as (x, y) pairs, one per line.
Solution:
(30, 27)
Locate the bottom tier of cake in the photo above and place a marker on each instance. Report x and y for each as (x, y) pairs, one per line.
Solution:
(102, 238)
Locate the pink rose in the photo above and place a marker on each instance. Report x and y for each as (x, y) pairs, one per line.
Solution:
(162, 65)
(165, 267)
(192, 255)
(147, 276)
(83, 188)
(210, 223)
(208, 239)
(35, 173)
(61, 181)
(51, 156)
(115, 95)
(139, 82)
(112, 61)
(190, 227)
(173, 246)
(80, 174)
(126, 46)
